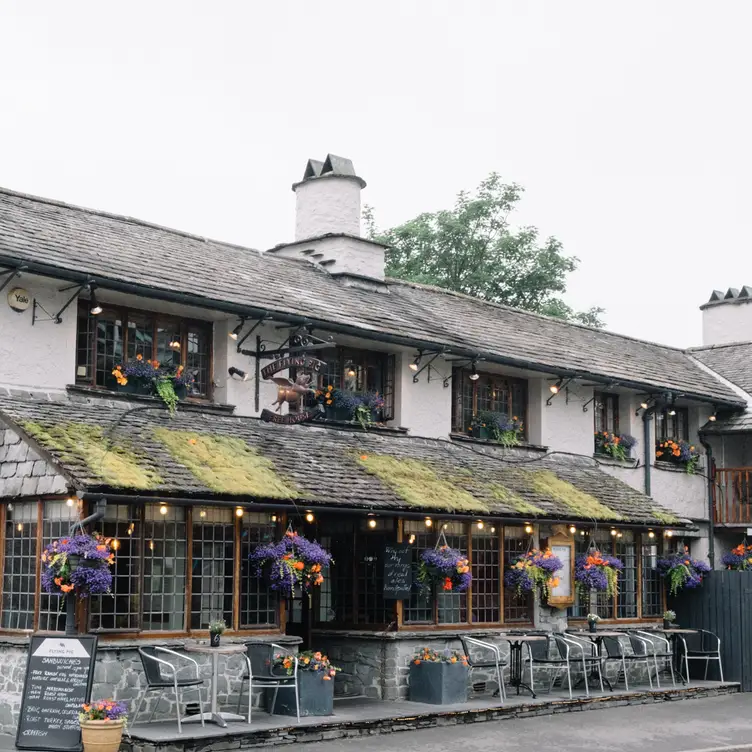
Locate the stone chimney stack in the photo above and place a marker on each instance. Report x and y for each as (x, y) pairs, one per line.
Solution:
(327, 224)
(727, 318)
(328, 199)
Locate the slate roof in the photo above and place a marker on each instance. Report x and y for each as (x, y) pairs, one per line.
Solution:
(72, 241)
(336, 467)
(732, 361)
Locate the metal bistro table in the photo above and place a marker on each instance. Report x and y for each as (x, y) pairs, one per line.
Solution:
(673, 635)
(215, 716)
(597, 638)
(515, 658)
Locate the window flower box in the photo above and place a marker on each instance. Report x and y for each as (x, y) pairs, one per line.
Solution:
(614, 445)
(679, 453)
(497, 427)
(438, 678)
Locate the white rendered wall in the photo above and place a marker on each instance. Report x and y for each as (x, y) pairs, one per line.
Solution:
(426, 407)
(40, 357)
(726, 322)
(329, 204)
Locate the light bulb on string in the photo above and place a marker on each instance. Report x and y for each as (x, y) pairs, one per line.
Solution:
(309, 517)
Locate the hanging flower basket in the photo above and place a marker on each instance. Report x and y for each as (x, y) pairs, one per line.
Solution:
(533, 572)
(446, 568)
(739, 558)
(595, 572)
(680, 571)
(80, 563)
(292, 562)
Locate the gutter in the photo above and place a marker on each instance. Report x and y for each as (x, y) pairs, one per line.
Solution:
(647, 416)
(376, 511)
(246, 311)
(711, 500)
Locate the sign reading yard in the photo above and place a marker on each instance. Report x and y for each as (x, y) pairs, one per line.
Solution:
(398, 571)
(59, 674)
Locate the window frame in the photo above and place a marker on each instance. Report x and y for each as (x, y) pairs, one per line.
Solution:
(185, 326)
(463, 386)
(679, 424)
(605, 412)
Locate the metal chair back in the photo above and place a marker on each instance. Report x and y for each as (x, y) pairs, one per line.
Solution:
(539, 649)
(261, 657)
(152, 666)
(639, 646)
(614, 648)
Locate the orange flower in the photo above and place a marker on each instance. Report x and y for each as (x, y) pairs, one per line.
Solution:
(299, 565)
(139, 357)
(58, 581)
(326, 677)
(192, 442)
(364, 456)
(416, 661)
(447, 584)
(66, 588)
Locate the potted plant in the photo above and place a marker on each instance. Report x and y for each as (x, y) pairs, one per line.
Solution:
(315, 684)
(216, 628)
(294, 562)
(680, 453)
(533, 572)
(445, 567)
(680, 571)
(344, 405)
(592, 622)
(668, 618)
(102, 723)
(618, 446)
(79, 563)
(595, 572)
(480, 427)
(137, 377)
(739, 558)
(438, 678)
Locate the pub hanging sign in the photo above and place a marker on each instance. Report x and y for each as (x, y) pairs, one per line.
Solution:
(292, 392)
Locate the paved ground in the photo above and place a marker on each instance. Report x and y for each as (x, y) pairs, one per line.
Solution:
(716, 722)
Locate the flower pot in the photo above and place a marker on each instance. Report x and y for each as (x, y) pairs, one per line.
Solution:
(101, 736)
(592, 626)
(181, 390)
(214, 639)
(316, 696)
(438, 683)
(135, 387)
(480, 432)
(666, 624)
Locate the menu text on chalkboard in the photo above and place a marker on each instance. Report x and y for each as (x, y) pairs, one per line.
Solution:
(398, 571)
(59, 673)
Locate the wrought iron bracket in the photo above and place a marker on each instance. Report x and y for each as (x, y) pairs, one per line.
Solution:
(10, 275)
(563, 388)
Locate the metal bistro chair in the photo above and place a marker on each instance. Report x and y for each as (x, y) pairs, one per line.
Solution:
(702, 646)
(616, 654)
(157, 680)
(497, 664)
(260, 675)
(574, 652)
(661, 649)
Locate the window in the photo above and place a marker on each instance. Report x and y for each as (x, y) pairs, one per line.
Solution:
(359, 371)
(606, 412)
(672, 426)
(118, 335)
(19, 572)
(640, 593)
(517, 608)
(492, 392)
(258, 604)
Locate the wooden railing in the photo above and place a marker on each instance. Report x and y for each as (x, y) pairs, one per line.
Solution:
(732, 496)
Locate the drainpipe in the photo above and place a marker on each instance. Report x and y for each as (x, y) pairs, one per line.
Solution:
(70, 598)
(647, 416)
(711, 506)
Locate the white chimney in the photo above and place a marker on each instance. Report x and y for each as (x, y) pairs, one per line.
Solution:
(327, 223)
(727, 318)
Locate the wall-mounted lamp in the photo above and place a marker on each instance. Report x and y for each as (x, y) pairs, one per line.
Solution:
(554, 388)
(712, 418)
(562, 383)
(416, 363)
(651, 534)
(175, 344)
(309, 516)
(572, 529)
(94, 308)
(481, 525)
(235, 333)
(350, 370)
(163, 509)
(613, 532)
(371, 521)
(529, 529)
(239, 511)
(429, 522)
(236, 373)
(474, 375)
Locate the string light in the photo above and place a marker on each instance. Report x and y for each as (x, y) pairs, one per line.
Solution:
(582, 532)
(529, 529)
(618, 535)
(480, 525)
(572, 529)
(115, 544)
(372, 523)
(151, 545)
(351, 372)
(429, 522)
(163, 509)
(175, 344)
(493, 529)
(202, 513)
(70, 502)
(613, 531)
(309, 517)
(651, 534)
(19, 527)
(274, 518)
(669, 533)
(239, 512)
(412, 539)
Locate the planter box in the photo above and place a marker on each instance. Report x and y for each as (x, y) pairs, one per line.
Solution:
(438, 683)
(480, 432)
(135, 387)
(337, 413)
(316, 696)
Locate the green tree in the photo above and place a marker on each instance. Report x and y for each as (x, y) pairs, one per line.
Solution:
(473, 249)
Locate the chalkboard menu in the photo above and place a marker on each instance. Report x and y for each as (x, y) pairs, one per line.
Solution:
(398, 571)
(59, 674)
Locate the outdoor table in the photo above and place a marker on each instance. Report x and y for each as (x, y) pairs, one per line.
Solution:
(215, 716)
(673, 635)
(515, 658)
(597, 637)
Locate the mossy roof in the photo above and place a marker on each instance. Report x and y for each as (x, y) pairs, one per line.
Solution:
(208, 455)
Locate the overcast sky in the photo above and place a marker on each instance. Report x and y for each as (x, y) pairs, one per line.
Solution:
(628, 123)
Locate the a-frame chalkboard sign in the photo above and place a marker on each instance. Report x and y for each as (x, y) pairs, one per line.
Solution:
(59, 674)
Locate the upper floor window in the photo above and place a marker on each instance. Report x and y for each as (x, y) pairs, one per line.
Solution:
(606, 412)
(490, 392)
(668, 426)
(359, 371)
(117, 336)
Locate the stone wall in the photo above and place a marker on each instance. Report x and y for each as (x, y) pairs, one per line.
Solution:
(118, 674)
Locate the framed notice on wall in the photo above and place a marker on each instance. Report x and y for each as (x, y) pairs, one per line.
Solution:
(563, 594)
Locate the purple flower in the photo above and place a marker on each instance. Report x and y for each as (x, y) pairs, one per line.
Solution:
(445, 567)
(534, 569)
(595, 571)
(90, 574)
(681, 571)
